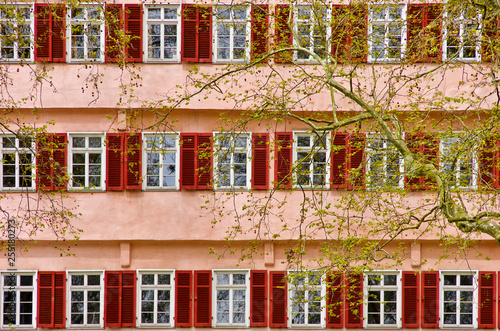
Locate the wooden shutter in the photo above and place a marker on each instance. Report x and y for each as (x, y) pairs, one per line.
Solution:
(410, 299)
(51, 299)
(196, 33)
(430, 299)
(278, 318)
(114, 24)
(354, 301)
(358, 45)
(260, 24)
(114, 161)
(490, 38)
(334, 301)
(424, 32)
(284, 37)
(341, 32)
(258, 298)
(260, 161)
(43, 162)
(133, 29)
(204, 156)
(119, 310)
(488, 163)
(202, 298)
(51, 162)
(50, 28)
(339, 160)
(487, 300)
(356, 158)
(132, 161)
(283, 163)
(426, 147)
(183, 293)
(188, 161)
(60, 152)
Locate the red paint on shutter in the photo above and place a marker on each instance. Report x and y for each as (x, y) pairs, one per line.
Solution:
(50, 27)
(354, 301)
(410, 283)
(132, 161)
(59, 299)
(183, 293)
(51, 294)
(205, 34)
(188, 161)
(196, 33)
(202, 298)
(283, 34)
(59, 34)
(278, 318)
(259, 36)
(119, 310)
(334, 301)
(487, 300)
(133, 29)
(339, 160)
(430, 299)
(114, 161)
(114, 24)
(260, 161)
(128, 298)
(283, 163)
(356, 158)
(204, 156)
(258, 298)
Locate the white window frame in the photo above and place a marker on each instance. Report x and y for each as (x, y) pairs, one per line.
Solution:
(162, 22)
(297, 165)
(475, 297)
(85, 288)
(17, 151)
(155, 287)
(371, 152)
(229, 152)
(231, 21)
(18, 288)
(297, 22)
(463, 22)
(306, 287)
(15, 23)
(457, 173)
(382, 288)
(162, 151)
(86, 22)
(386, 22)
(86, 150)
(231, 288)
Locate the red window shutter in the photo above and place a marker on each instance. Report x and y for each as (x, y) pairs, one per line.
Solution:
(51, 161)
(205, 34)
(44, 163)
(358, 46)
(410, 299)
(432, 32)
(341, 32)
(488, 161)
(354, 301)
(356, 158)
(132, 161)
(204, 156)
(260, 161)
(278, 318)
(490, 37)
(283, 165)
(188, 161)
(258, 298)
(196, 33)
(119, 310)
(334, 301)
(114, 161)
(413, 143)
(260, 32)
(50, 27)
(133, 29)
(284, 37)
(339, 159)
(430, 299)
(114, 24)
(202, 298)
(430, 150)
(128, 298)
(51, 294)
(60, 154)
(487, 300)
(183, 293)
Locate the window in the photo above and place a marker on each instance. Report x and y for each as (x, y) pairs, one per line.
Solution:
(85, 304)
(16, 33)
(231, 301)
(306, 303)
(156, 292)
(311, 155)
(232, 161)
(163, 31)
(385, 165)
(85, 33)
(458, 161)
(458, 305)
(312, 30)
(17, 163)
(231, 33)
(18, 300)
(86, 161)
(387, 31)
(162, 158)
(383, 299)
(462, 35)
